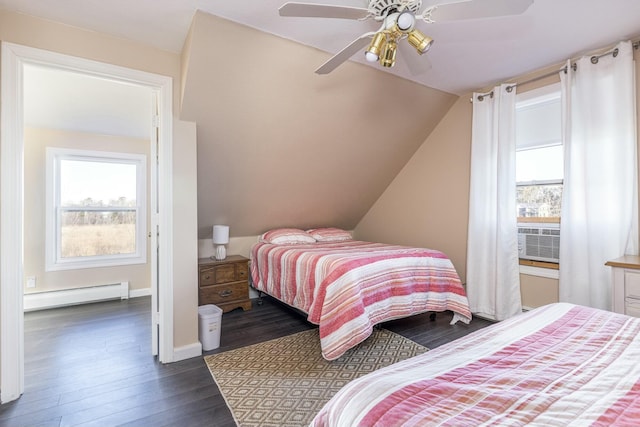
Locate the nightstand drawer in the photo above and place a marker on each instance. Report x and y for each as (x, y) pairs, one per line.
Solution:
(220, 294)
(242, 271)
(632, 284)
(632, 307)
(219, 274)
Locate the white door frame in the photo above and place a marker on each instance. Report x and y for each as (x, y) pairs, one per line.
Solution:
(13, 59)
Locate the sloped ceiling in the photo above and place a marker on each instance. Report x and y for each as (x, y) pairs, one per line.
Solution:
(279, 146)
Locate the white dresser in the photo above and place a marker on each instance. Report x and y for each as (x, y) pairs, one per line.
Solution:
(626, 284)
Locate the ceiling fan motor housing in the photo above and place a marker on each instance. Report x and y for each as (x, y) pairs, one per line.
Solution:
(384, 7)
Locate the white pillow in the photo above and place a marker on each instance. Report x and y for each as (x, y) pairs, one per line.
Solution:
(329, 234)
(286, 236)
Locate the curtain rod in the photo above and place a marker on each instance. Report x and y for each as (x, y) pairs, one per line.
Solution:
(574, 66)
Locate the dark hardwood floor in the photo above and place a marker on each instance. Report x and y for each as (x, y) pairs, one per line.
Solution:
(91, 365)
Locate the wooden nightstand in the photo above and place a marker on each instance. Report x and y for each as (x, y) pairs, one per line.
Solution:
(224, 283)
(626, 284)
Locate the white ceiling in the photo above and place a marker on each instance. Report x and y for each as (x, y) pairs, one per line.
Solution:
(58, 99)
(466, 55)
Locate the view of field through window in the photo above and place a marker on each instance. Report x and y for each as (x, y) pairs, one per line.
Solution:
(541, 201)
(98, 208)
(539, 175)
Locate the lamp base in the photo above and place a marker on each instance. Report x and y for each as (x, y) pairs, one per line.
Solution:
(221, 252)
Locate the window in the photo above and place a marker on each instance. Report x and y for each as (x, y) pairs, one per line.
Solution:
(539, 155)
(539, 177)
(96, 209)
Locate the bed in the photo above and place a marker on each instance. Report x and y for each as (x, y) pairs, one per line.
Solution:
(348, 286)
(558, 365)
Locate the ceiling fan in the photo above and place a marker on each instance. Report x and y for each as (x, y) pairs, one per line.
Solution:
(398, 20)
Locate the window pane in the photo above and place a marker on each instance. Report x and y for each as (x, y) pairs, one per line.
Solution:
(540, 164)
(95, 183)
(539, 200)
(92, 233)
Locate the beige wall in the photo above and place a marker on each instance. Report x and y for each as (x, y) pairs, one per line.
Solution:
(279, 145)
(35, 142)
(537, 291)
(427, 203)
(185, 232)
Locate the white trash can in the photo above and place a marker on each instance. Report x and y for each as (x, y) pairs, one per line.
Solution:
(209, 323)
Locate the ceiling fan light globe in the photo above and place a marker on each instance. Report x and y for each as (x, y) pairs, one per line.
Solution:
(371, 57)
(405, 21)
(419, 41)
(372, 54)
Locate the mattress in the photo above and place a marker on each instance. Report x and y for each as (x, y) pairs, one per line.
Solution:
(348, 287)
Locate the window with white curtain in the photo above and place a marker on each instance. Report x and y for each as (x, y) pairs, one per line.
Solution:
(539, 155)
(96, 209)
(539, 176)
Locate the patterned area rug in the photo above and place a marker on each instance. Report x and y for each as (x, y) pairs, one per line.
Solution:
(285, 382)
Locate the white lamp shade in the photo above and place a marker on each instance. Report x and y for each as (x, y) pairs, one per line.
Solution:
(220, 234)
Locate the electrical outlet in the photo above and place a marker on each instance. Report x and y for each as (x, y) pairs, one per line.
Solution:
(31, 282)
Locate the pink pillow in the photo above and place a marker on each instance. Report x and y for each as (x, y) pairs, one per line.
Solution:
(286, 236)
(329, 234)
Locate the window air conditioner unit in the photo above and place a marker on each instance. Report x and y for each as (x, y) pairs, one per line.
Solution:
(539, 242)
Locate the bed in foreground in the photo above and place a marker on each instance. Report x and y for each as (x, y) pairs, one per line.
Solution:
(347, 286)
(558, 365)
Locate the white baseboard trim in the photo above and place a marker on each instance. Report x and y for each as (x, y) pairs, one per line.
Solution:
(187, 351)
(65, 297)
(137, 293)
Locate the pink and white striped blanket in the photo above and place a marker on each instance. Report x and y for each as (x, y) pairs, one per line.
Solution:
(347, 287)
(559, 365)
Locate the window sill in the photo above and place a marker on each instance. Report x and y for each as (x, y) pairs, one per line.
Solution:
(531, 270)
(96, 262)
(539, 219)
(540, 264)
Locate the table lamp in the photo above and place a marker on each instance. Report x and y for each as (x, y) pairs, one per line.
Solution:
(220, 238)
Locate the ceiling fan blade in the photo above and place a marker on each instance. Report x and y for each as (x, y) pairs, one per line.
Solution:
(479, 9)
(429, 3)
(311, 10)
(344, 54)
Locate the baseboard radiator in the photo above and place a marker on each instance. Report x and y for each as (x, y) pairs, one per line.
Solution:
(61, 298)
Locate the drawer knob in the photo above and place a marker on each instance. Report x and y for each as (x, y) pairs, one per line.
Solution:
(225, 293)
(207, 277)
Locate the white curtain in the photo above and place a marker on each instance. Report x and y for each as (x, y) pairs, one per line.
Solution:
(599, 203)
(493, 280)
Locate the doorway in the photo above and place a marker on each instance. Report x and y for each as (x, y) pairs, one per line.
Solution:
(14, 60)
(87, 144)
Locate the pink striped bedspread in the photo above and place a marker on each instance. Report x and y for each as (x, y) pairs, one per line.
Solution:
(348, 287)
(558, 365)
